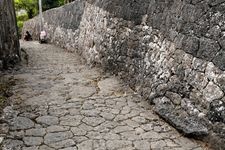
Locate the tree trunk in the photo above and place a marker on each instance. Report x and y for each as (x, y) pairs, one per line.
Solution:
(9, 41)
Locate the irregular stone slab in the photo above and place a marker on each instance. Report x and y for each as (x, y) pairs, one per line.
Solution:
(107, 116)
(71, 105)
(90, 113)
(21, 123)
(9, 112)
(63, 144)
(30, 148)
(108, 86)
(69, 148)
(72, 121)
(86, 145)
(33, 141)
(38, 100)
(82, 91)
(102, 128)
(86, 127)
(94, 135)
(158, 144)
(111, 136)
(120, 118)
(12, 144)
(117, 144)
(185, 142)
(74, 111)
(189, 126)
(56, 137)
(47, 120)
(45, 147)
(79, 139)
(87, 106)
(121, 129)
(130, 135)
(151, 135)
(139, 119)
(212, 92)
(93, 121)
(78, 131)
(56, 128)
(147, 127)
(142, 145)
(121, 104)
(58, 112)
(17, 134)
(29, 115)
(36, 132)
(170, 143)
(99, 144)
(131, 123)
(125, 110)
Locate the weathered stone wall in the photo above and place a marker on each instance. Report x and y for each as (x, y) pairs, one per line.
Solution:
(168, 51)
(9, 41)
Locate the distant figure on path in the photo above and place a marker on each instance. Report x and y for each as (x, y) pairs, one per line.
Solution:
(43, 37)
(28, 36)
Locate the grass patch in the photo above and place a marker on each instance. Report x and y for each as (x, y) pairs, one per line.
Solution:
(20, 21)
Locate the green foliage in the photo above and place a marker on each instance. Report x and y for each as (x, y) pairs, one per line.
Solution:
(22, 17)
(48, 4)
(30, 6)
(20, 20)
(61, 2)
(20, 26)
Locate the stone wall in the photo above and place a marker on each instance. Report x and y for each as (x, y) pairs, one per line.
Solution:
(171, 52)
(9, 41)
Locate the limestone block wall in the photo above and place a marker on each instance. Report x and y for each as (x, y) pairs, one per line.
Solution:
(9, 41)
(162, 49)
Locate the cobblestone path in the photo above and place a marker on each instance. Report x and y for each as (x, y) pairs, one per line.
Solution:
(60, 104)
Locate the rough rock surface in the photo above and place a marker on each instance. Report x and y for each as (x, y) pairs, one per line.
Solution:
(112, 118)
(217, 111)
(189, 126)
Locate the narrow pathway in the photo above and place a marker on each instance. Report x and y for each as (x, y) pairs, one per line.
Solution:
(60, 104)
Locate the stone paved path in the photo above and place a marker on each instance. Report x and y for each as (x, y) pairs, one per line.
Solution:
(60, 104)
